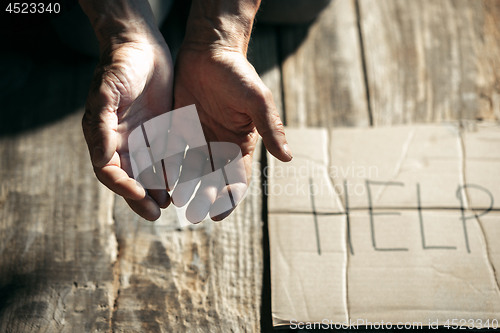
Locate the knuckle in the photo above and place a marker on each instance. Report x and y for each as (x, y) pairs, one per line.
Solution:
(262, 97)
(86, 125)
(99, 129)
(277, 124)
(274, 126)
(105, 89)
(266, 92)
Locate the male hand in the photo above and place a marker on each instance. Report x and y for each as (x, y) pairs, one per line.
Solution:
(233, 103)
(132, 83)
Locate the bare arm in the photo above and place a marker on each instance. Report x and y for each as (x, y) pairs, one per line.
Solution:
(121, 21)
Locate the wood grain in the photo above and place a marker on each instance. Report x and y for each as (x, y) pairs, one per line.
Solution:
(203, 278)
(57, 244)
(323, 79)
(429, 61)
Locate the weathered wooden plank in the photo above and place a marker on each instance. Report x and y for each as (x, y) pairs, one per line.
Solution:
(204, 278)
(322, 84)
(57, 242)
(263, 55)
(430, 61)
(37, 92)
(323, 79)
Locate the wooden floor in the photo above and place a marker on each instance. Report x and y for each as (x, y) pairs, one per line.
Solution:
(74, 258)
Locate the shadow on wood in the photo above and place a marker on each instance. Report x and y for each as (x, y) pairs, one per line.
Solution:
(42, 80)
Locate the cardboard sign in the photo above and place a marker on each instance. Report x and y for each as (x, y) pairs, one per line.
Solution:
(397, 225)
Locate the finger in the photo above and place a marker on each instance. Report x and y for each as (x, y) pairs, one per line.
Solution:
(172, 163)
(158, 188)
(146, 208)
(193, 167)
(101, 107)
(205, 196)
(267, 120)
(230, 196)
(118, 181)
(185, 131)
(163, 143)
(161, 197)
(233, 192)
(153, 178)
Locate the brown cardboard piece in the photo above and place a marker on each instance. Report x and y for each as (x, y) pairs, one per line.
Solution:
(414, 239)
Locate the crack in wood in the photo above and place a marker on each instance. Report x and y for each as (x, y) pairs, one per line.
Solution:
(116, 271)
(363, 61)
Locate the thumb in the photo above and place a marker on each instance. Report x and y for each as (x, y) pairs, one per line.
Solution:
(270, 127)
(101, 108)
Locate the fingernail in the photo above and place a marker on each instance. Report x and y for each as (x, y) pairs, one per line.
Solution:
(287, 150)
(98, 155)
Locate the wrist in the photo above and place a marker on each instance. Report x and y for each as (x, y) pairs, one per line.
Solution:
(220, 24)
(117, 22)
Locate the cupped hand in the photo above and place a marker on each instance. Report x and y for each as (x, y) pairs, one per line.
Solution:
(133, 82)
(233, 105)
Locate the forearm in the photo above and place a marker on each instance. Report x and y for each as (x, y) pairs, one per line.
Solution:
(121, 21)
(221, 23)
